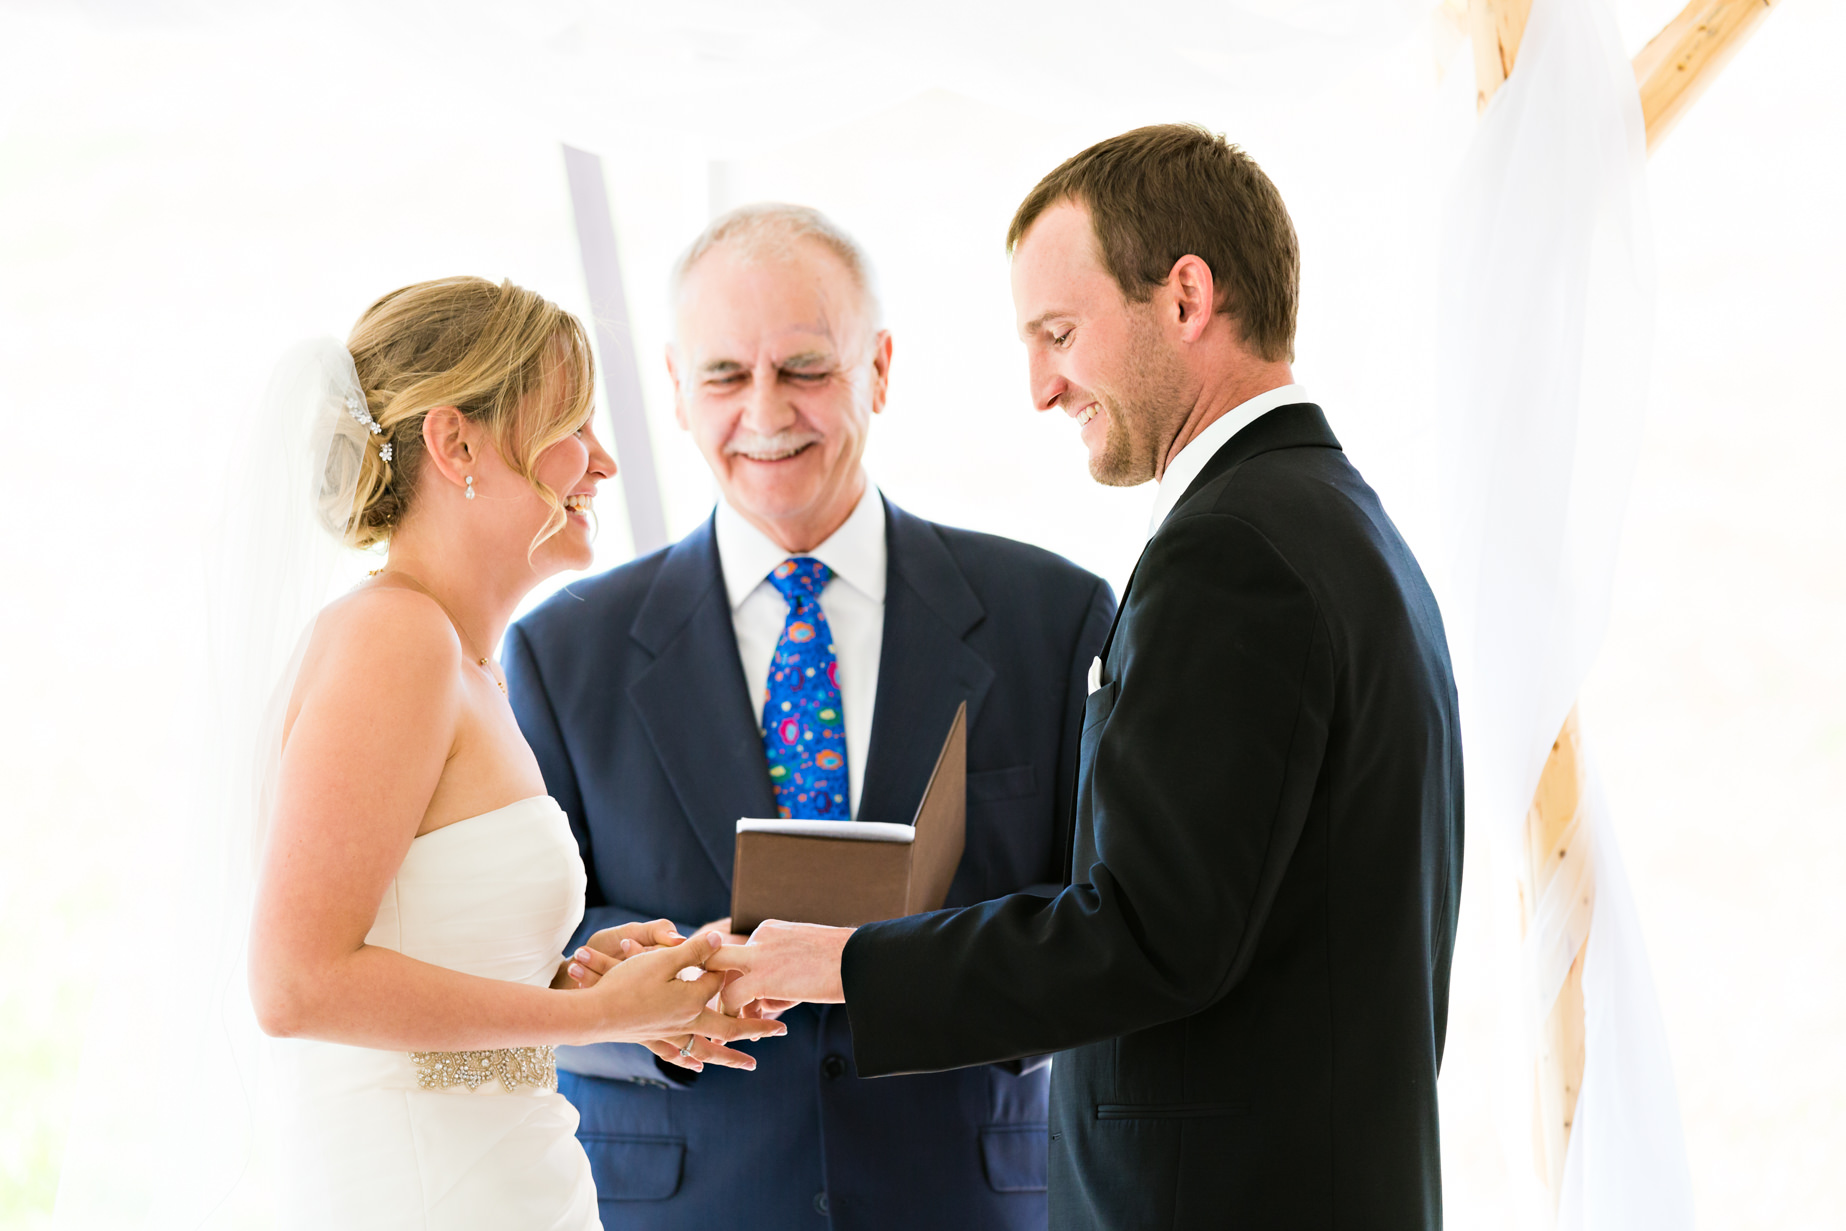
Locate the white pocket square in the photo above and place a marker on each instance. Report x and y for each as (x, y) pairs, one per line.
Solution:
(1095, 674)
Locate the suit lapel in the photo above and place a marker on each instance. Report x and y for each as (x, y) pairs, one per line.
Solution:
(925, 669)
(693, 700)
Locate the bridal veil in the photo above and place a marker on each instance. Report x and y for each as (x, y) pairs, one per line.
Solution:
(170, 1123)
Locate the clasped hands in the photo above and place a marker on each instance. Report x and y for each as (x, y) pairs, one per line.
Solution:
(778, 966)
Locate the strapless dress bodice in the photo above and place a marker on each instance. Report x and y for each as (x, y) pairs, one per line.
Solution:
(367, 1142)
(497, 895)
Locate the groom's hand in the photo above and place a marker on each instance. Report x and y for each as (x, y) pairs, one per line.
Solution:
(723, 927)
(790, 962)
(768, 1010)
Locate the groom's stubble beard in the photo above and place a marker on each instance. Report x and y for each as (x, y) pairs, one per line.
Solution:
(1147, 412)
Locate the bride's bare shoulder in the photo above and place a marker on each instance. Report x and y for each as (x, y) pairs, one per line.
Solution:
(393, 629)
(384, 651)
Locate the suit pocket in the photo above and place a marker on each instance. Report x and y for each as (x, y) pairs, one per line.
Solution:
(1014, 1155)
(1100, 704)
(1165, 1111)
(634, 1168)
(994, 784)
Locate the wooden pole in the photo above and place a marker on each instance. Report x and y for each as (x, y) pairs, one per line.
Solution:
(1679, 62)
(1671, 71)
(1551, 826)
(1496, 27)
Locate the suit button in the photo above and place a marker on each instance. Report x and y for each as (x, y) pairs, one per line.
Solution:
(820, 1203)
(832, 1066)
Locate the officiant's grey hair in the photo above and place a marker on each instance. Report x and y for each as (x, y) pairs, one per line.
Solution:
(774, 231)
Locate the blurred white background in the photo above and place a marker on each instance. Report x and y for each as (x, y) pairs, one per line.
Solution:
(185, 189)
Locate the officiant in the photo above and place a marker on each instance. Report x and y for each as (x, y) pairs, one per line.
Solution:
(656, 696)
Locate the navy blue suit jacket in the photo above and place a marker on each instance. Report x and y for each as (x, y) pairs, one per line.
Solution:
(629, 689)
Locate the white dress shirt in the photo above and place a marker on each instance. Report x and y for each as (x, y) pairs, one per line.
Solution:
(853, 600)
(1182, 470)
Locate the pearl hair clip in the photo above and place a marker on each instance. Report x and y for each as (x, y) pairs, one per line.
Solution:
(358, 410)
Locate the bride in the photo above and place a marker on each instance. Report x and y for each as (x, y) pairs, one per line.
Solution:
(417, 884)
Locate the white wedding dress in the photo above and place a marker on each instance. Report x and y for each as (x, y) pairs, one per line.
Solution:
(437, 1141)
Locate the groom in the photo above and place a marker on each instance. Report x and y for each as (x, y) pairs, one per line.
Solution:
(647, 695)
(1247, 981)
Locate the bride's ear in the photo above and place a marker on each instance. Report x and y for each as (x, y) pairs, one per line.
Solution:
(451, 443)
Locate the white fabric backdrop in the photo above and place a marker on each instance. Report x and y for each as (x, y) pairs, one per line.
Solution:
(1546, 322)
(336, 162)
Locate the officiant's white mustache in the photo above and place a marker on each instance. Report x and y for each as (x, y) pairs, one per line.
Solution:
(771, 448)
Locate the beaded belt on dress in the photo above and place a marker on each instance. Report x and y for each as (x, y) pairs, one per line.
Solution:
(513, 1067)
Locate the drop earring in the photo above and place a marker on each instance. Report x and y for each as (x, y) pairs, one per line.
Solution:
(470, 492)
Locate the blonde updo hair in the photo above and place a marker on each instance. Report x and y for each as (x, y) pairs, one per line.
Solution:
(507, 358)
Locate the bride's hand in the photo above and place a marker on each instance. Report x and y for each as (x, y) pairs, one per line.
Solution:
(618, 941)
(613, 944)
(652, 934)
(647, 1002)
(587, 967)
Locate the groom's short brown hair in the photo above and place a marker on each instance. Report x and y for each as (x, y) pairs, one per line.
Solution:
(1159, 193)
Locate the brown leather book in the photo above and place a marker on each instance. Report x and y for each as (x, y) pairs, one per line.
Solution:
(845, 873)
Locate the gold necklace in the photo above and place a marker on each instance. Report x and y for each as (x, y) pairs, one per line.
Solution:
(454, 623)
(481, 662)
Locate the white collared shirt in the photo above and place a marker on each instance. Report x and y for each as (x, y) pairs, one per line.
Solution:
(853, 600)
(1182, 470)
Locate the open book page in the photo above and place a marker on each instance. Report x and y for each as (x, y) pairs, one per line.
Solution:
(858, 831)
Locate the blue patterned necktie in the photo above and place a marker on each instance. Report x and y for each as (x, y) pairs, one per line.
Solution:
(804, 730)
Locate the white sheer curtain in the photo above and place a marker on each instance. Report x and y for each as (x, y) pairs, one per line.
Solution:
(172, 1127)
(1545, 322)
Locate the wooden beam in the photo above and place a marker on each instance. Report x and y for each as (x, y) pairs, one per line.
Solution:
(1558, 1072)
(1496, 27)
(1679, 62)
(1671, 72)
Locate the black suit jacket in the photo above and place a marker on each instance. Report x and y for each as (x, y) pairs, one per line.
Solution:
(628, 688)
(1248, 978)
